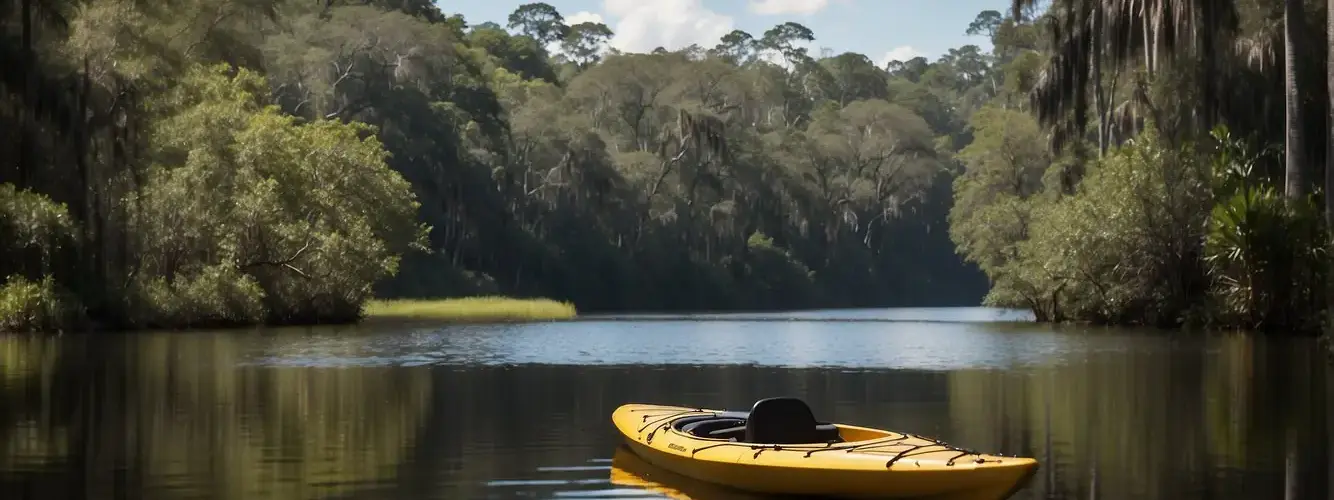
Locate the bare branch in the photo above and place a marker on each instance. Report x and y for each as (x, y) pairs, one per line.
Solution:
(286, 263)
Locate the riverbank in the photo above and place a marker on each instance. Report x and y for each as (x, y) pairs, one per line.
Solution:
(470, 309)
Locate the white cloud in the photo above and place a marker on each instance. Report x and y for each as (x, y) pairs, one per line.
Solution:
(643, 25)
(788, 7)
(583, 17)
(903, 53)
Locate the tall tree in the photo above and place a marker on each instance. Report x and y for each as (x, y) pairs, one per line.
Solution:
(737, 47)
(986, 23)
(1329, 123)
(1091, 38)
(584, 42)
(1297, 183)
(540, 21)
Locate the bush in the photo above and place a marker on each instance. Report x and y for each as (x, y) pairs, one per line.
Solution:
(36, 306)
(1126, 246)
(1265, 253)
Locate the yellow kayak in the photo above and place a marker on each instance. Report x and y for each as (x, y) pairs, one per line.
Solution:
(778, 447)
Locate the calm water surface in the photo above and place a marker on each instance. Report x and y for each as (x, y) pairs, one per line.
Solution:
(523, 411)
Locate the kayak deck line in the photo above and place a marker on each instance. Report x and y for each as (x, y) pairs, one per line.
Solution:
(667, 418)
(868, 447)
(663, 420)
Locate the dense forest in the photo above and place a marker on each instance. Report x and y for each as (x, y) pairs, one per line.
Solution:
(210, 162)
(1164, 168)
(281, 162)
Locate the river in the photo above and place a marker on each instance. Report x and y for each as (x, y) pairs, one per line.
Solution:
(522, 411)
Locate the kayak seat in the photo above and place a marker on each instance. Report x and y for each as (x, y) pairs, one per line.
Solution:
(786, 421)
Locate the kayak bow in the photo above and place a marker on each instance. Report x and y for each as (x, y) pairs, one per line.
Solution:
(779, 448)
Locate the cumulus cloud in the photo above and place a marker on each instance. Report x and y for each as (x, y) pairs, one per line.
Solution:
(583, 17)
(787, 7)
(903, 53)
(643, 25)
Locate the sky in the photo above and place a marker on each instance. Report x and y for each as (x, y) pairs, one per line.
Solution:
(883, 30)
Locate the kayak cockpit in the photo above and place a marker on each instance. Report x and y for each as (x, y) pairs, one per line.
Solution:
(769, 421)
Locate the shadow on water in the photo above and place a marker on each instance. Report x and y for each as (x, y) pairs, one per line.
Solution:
(498, 412)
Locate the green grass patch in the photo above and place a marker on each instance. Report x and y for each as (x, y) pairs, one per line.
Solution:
(470, 310)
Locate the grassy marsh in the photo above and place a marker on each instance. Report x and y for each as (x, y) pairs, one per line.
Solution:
(483, 309)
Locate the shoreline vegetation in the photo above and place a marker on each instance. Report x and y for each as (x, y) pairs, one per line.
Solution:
(289, 161)
(482, 309)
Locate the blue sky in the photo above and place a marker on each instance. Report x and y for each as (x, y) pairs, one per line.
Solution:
(881, 29)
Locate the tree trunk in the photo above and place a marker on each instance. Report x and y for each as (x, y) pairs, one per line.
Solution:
(1099, 100)
(1329, 118)
(1329, 148)
(1296, 184)
(27, 116)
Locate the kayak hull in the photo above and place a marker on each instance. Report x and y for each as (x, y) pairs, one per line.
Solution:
(628, 469)
(870, 463)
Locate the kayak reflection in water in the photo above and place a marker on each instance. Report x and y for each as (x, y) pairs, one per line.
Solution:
(628, 470)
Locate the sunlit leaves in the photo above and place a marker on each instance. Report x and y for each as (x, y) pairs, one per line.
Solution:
(1125, 247)
(150, 40)
(30, 219)
(517, 54)
(1004, 167)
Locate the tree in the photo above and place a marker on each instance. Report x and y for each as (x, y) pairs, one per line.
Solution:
(1095, 38)
(738, 47)
(986, 23)
(1329, 140)
(539, 21)
(584, 41)
(853, 77)
(1298, 181)
(783, 40)
(910, 70)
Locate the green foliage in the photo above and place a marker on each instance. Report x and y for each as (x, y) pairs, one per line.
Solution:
(992, 212)
(1125, 247)
(36, 306)
(774, 278)
(1266, 253)
(201, 296)
(306, 216)
(38, 236)
(539, 21)
(1153, 234)
(283, 161)
(583, 41)
(1140, 217)
(32, 221)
